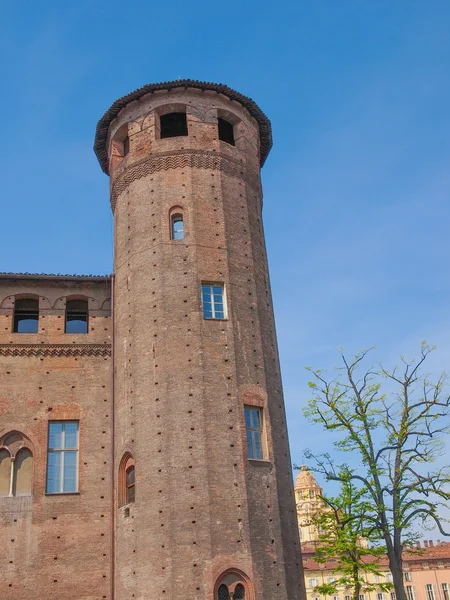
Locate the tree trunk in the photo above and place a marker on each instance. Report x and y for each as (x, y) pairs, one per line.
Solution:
(356, 582)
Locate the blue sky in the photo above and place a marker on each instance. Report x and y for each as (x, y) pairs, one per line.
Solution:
(356, 189)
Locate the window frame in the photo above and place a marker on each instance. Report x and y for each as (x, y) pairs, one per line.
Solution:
(430, 593)
(25, 312)
(176, 217)
(211, 285)
(63, 451)
(410, 592)
(261, 430)
(74, 313)
(222, 128)
(164, 116)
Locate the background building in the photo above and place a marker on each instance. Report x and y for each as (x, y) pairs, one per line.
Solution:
(426, 567)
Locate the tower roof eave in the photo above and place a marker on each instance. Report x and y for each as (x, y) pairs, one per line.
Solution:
(101, 133)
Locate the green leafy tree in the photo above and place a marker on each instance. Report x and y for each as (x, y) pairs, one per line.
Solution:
(343, 538)
(395, 433)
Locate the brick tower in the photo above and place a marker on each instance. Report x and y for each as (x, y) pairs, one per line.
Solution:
(204, 497)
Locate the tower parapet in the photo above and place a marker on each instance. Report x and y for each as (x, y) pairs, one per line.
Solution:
(205, 507)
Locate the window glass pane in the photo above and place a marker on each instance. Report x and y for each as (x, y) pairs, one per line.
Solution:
(247, 414)
(256, 419)
(76, 324)
(54, 472)
(130, 475)
(219, 314)
(258, 448)
(70, 485)
(250, 444)
(71, 435)
(55, 435)
(217, 290)
(26, 324)
(177, 228)
(70, 471)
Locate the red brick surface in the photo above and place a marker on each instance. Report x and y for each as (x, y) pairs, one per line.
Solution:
(181, 381)
(56, 547)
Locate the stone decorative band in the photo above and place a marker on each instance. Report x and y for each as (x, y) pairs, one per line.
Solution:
(52, 350)
(177, 159)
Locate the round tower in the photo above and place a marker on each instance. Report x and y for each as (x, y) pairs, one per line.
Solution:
(203, 486)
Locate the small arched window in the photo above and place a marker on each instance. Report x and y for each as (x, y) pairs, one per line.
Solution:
(177, 226)
(16, 465)
(76, 316)
(127, 480)
(233, 585)
(23, 472)
(26, 315)
(5, 472)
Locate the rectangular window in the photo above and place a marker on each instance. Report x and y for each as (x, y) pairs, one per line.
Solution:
(362, 597)
(347, 598)
(410, 592)
(429, 588)
(26, 315)
(312, 582)
(377, 579)
(389, 577)
(62, 457)
(254, 427)
(213, 301)
(380, 596)
(444, 588)
(393, 596)
(331, 579)
(407, 576)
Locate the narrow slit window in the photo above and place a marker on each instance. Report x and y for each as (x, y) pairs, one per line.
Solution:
(226, 131)
(130, 478)
(62, 457)
(177, 227)
(26, 315)
(76, 316)
(213, 301)
(173, 125)
(254, 430)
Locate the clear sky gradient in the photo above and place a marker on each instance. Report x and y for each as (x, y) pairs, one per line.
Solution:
(356, 188)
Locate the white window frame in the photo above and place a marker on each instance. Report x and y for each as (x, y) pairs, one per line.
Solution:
(407, 576)
(444, 591)
(380, 596)
(410, 592)
(393, 596)
(64, 451)
(429, 592)
(312, 582)
(212, 284)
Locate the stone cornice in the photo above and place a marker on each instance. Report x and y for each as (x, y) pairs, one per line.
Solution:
(55, 350)
(178, 159)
